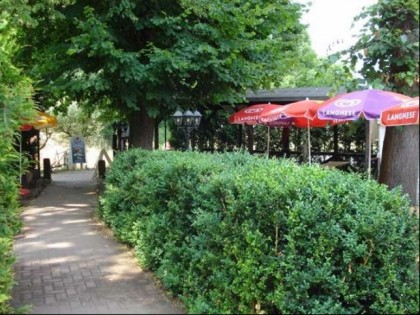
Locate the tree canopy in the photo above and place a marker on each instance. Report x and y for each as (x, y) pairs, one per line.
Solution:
(151, 57)
(388, 45)
(388, 48)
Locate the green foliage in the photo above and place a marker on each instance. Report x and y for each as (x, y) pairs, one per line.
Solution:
(76, 121)
(388, 46)
(15, 106)
(128, 55)
(159, 55)
(234, 233)
(6, 274)
(387, 50)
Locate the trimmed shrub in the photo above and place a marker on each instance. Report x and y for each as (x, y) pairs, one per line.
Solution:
(9, 226)
(234, 233)
(15, 104)
(10, 222)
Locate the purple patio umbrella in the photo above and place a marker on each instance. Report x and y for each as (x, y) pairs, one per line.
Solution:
(368, 104)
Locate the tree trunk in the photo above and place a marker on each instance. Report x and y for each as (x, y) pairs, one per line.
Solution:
(142, 129)
(156, 135)
(400, 160)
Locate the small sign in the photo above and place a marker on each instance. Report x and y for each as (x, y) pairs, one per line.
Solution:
(78, 152)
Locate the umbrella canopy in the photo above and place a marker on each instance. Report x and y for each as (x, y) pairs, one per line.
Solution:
(367, 103)
(406, 113)
(42, 120)
(298, 113)
(251, 115)
(301, 114)
(364, 103)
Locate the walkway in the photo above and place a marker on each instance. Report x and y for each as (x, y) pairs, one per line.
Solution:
(66, 263)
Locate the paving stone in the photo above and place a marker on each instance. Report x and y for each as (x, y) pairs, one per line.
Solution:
(48, 288)
(50, 300)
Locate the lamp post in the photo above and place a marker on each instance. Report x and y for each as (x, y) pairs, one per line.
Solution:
(120, 136)
(187, 121)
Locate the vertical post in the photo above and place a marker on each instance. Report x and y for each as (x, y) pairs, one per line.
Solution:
(381, 137)
(188, 136)
(335, 129)
(20, 159)
(119, 139)
(101, 168)
(47, 169)
(250, 134)
(309, 143)
(285, 140)
(368, 145)
(368, 148)
(38, 153)
(240, 136)
(156, 146)
(114, 144)
(164, 122)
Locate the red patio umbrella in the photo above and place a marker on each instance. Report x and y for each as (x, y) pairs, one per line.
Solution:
(406, 113)
(251, 116)
(302, 115)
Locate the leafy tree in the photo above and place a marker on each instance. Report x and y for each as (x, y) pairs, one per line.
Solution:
(145, 59)
(389, 50)
(77, 122)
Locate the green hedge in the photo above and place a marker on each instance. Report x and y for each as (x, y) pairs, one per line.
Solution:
(10, 222)
(234, 233)
(15, 106)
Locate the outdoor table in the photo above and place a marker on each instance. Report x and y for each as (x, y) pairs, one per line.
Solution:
(336, 164)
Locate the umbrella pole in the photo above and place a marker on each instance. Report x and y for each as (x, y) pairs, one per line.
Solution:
(20, 159)
(368, 148)
(368, 144)
(268, 141)
(309, 144)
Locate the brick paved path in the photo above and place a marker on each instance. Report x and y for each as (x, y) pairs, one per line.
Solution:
(66, 264)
